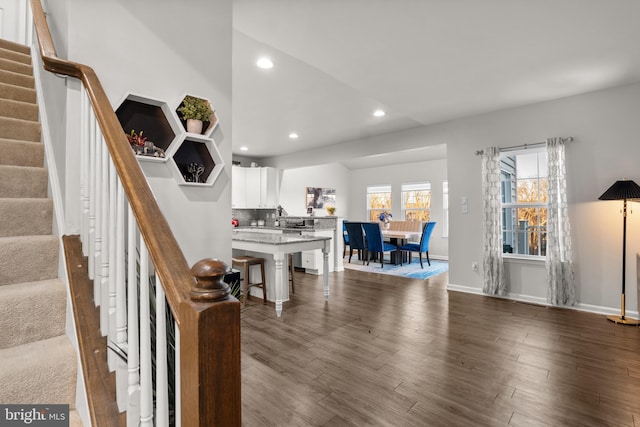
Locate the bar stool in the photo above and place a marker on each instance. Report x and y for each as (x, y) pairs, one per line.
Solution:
(244, 263)
(291, 271)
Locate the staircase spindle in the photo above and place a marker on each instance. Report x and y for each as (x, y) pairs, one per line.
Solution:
(85, 108)
(92, 143)
(162, 383)
(97, 255)
(146, 383)
(133, 345)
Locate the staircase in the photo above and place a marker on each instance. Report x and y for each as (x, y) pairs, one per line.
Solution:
(37, 361)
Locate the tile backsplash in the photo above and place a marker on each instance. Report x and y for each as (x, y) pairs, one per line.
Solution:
(245, 216)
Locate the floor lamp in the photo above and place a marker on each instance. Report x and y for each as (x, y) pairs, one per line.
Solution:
(623, 190)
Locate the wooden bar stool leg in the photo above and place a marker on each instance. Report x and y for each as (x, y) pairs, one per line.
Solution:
(291, 276)
(245, 283)
(264, 283)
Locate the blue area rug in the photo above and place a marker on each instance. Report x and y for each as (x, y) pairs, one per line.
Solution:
(412, 270)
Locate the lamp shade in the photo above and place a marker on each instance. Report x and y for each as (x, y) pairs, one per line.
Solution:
(622, 190)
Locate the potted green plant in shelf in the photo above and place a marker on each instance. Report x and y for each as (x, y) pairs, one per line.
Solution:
(195, 111)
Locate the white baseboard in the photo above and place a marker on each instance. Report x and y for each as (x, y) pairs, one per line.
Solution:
(542, 301)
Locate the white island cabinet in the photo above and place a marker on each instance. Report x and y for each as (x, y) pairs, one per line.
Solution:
(274, 248)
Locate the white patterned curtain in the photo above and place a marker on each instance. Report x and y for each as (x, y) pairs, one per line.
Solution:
(560, 287)
(494, 282)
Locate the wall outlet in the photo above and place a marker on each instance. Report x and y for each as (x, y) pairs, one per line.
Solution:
(474, 266)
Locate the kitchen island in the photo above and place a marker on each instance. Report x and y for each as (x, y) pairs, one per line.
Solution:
(277, 247)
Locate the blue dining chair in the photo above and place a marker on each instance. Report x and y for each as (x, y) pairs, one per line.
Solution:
(345, 238)
(375, 242)
(356, 238)
(421, 247)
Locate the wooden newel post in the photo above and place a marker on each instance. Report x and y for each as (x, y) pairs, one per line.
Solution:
(209, 274)
(210, 350)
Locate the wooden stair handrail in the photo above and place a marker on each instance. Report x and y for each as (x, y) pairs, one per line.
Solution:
(210, 331)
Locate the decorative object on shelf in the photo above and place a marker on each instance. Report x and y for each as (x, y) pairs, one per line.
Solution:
(385, 218)
(623, 190)
(331, 210)
(195, 111)
(136, 138)
(194, 171)
(142, 146)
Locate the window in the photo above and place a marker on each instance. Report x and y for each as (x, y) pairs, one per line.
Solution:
(378, 201)
(416, 201)
(524, 202)
(445, 208)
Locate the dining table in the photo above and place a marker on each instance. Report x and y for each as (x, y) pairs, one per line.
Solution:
(399, 238)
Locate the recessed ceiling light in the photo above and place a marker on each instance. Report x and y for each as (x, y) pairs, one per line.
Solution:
(244, 148)
(293, 135)
(379, 113)
(264, 63)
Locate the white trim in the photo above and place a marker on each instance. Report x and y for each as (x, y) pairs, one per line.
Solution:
(81, 401)
(596, 309)
(54, 184)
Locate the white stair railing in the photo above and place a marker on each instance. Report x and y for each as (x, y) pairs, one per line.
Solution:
(132, 301)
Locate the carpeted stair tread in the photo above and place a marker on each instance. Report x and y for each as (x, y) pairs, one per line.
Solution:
(13, 55)
(18, 109)
(16, 67)
(39, 372)
(31, 311)
(21, 153)
(16, 47)
(23, 130)
(16, 79)
(26, 217)
(28, 259)
(24, 94)
(23, 182)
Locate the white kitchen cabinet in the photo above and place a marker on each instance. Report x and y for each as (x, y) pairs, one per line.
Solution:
(238, 187)
(269, 187)
(255, 187)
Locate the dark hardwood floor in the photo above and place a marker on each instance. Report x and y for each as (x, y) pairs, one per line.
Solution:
(389, 351)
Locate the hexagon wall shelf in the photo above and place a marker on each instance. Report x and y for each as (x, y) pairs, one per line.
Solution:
(154, 118)
(208, 126)
(196, 161)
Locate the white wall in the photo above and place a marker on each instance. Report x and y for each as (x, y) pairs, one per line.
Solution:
(605, 128)
(434, 171)
(606, 131)
(149, 48)
(294, 185)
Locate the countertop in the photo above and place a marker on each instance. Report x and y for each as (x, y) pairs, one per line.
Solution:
(273, 238)
(249, 228)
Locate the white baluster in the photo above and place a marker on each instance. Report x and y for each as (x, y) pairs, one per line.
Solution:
(133, 348)
(92, 193)
(117, 273)
(97, 279)
(107, 309)
(177, 402)
(121, 301)
(146, 385)
(106, 220)
(162, 385)
(84, 171)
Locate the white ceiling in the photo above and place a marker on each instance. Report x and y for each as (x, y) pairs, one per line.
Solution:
(422, 61)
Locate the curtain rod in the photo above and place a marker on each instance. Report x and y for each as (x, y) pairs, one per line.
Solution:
(525, 146)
